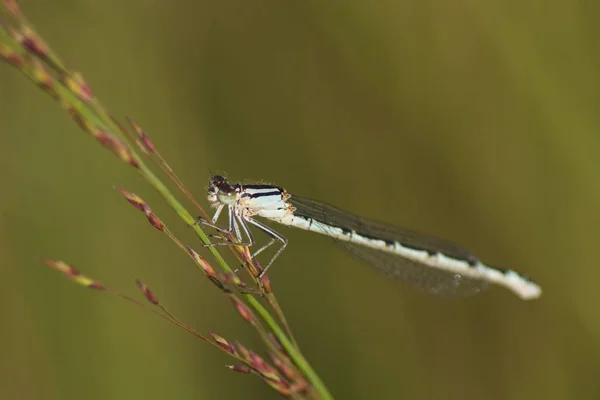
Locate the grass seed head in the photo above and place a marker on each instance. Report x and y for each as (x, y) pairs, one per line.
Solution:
(147, 292)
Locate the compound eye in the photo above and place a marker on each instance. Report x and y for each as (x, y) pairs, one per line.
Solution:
(227, 196)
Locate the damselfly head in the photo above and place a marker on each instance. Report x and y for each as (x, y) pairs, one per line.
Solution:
(220, 190)
(216, 181)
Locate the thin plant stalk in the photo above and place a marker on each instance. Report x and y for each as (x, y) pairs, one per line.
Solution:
(23, 48)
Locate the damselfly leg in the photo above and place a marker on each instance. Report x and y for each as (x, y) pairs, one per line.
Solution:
(235, 221)
(232, 228)
(274, 235)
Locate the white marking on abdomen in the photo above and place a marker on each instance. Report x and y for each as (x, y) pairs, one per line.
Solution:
(509, 279)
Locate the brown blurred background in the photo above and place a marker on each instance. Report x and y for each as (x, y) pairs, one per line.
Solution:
(475, 122)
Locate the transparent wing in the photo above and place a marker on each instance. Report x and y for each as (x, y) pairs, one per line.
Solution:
(417, 275)
(421, 277)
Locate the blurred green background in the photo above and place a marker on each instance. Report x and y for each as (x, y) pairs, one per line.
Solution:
(470, 121)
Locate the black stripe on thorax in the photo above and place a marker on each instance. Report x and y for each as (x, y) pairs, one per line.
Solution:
(275, 192)
(262, 187)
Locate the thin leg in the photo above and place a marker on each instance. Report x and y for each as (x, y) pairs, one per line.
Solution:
(257, 252)
(232, 222)
(202, 221)
(217, 213)
(247, 231)
(274, 236)
(213, 222)
(236, 228)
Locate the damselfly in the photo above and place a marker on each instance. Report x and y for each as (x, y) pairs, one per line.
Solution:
(427, 263)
